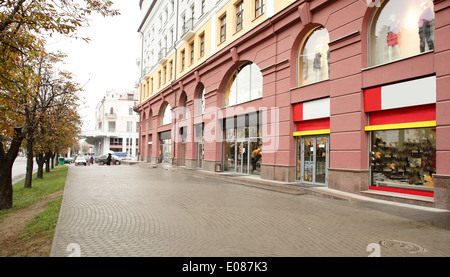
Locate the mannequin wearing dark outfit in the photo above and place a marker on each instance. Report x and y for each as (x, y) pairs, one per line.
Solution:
(424, 25)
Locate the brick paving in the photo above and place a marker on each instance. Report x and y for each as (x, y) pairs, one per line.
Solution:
(134, 211)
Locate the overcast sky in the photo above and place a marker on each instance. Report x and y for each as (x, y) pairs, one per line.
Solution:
(108, 61)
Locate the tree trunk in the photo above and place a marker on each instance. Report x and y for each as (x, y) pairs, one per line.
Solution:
(6, 190)
(47, 161)
(29, 173)
(6, 163)
(40, 162)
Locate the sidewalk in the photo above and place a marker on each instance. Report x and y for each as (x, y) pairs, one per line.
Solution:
(140, 211)
(297, 188)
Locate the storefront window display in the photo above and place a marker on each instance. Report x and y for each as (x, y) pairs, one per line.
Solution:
(314, 57)
(404, 160)
(400, 29)
(165, 146)
(242, 147)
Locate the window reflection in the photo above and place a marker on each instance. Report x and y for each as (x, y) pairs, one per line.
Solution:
(314, 57)
(200, 101)
(400, 29)
(166, 115)
(246, 84)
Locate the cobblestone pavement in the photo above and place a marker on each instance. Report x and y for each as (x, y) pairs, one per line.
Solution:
(132, 211)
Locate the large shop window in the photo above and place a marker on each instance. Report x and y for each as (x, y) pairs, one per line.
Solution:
(183, 111)
(404, 160)
(166, 115)
(242, 147)
(402, 126)
(245, 84)
(314, 57)
(200, 100)
(400, 29)
(165, 144)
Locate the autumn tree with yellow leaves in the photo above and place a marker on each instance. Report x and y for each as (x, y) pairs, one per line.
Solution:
(24, 27)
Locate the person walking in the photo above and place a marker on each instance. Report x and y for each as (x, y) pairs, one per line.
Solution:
(108, 159)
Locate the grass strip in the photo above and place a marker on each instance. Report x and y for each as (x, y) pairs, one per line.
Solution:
(53, 181)
(36, 238)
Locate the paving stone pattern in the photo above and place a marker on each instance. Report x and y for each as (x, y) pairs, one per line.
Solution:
(133, 211)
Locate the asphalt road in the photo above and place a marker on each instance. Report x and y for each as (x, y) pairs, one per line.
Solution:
(20, 168)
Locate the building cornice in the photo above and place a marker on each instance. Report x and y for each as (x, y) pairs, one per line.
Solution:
(147, 14)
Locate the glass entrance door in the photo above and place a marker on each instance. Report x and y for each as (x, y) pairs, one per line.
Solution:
(308, 159)
(321, 167)
(313, 159)
(242, 157)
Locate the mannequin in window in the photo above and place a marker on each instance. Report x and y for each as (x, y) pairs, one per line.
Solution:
(305, 65)
(317, 64)
(424, 25)
(328, 60)
(392, 38)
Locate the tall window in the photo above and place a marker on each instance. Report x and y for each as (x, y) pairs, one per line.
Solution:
(314, 57)
(164, 74)
(239, 16)
(202, 45)
(166, 115)
(151, 85)
(192, 49)
(259, 7)
(400, 29)
(183, 60)
(159, 79)
(245, 84)
(182, 107)
(223, 28)
(202, 9)
(200, 101)
(111, 126)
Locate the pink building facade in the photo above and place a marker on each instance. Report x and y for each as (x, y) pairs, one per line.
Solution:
(330, 93)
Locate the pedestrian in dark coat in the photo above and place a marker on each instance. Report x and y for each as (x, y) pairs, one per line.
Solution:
(108, 160)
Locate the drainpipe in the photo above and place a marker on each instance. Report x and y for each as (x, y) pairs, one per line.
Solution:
(175, 77)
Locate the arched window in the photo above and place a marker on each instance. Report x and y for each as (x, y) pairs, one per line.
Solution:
(144, 121)
(245, 84)
(166, 114)
(200, 100)
(183, 109)
(150, 120)
(400, 29)
(111, 111)
(314, 57)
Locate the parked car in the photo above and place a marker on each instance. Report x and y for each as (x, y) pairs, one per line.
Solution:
(80, 160)
(68, 160)
(102, 159)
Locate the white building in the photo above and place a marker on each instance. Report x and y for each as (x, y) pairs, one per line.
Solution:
(166, 26)
(116, 126)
